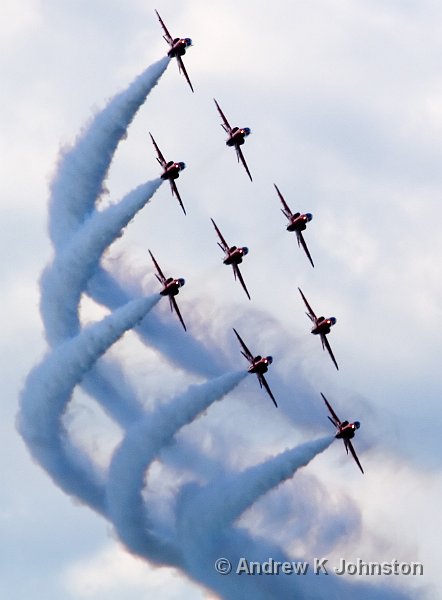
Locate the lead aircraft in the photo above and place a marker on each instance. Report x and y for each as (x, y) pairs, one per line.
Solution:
(178, 47)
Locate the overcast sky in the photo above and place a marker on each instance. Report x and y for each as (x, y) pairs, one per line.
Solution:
(344, 100)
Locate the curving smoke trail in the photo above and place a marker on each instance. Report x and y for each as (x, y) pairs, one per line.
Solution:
(48, 389)
(64, 280)
(141, 445)
(180, 348)
(206, 527)
(82, 169)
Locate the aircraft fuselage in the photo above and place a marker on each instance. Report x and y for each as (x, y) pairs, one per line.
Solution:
(171, 171)
(346, 431)
(323, 326)
(171, 287)
(235, 256)
(298, 223)
(237, 136)
(179, 46)
(260, 365)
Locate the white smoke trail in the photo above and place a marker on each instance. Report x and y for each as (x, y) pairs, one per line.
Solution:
(83, 168)
(180, 348)
(64, 280)
(142, 444)
(231, 495)
(48, 389)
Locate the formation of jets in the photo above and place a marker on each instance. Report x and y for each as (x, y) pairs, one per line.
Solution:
(234, 255)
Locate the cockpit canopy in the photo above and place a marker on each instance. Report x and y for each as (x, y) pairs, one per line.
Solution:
(246, 131)
(357, 424)
(309, 216)
(332, 320)
(269, 359)
(188, 41)
(245, 250)
(181, 281)
(181, 166)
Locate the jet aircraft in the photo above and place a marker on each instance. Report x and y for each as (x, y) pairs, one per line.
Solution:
(345, 431)
(258, 365)
(178, 47)
(171, 172)
(171, 287)
(233, 256)
(297, 222)
(321, 327)
(236, 137)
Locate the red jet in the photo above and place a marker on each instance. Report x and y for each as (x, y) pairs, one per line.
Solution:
(236, 137)
(171, 288)
(258, 365)
(234, 256)
(171, 172)
(297, 222)
(178, 47)
(321, 327)
(345, 431)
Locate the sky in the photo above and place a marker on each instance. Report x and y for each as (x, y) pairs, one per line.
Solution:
(344, 102)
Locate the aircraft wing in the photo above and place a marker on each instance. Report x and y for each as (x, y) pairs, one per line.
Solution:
(247, 354)
(182, 69)
(301, 242)
(241, 158)
(175, 192)
(226, 125)
(353, 453)
(224, 246)
(311, 314)
(160, 158)
(160, 275)
(286, 210)
(265, 385)
(237, 273)
(335, 420)
(167, 35)
(174, 307)
(326, 346)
